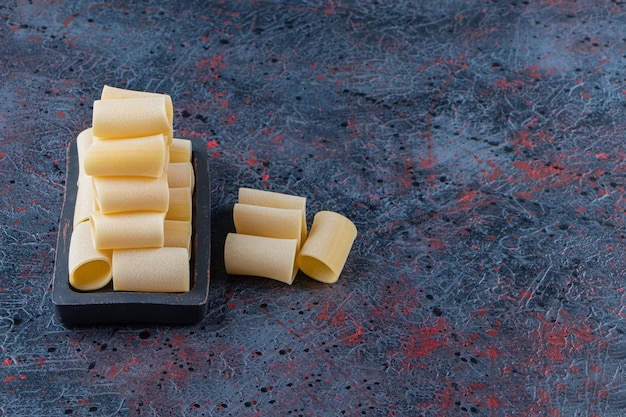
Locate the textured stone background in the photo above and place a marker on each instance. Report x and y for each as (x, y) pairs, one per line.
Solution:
(477, 145)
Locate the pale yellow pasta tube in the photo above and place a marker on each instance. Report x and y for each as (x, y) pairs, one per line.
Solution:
(276, 200)
(326, 250)
(261, 256)
(145, 156)
(112, 93)
(132, 117)
(84, 204)
(90, 269)
(180, 207)
(268, 221)
(180, 150)
(83, 142)
(109, 92)
(137, 229)
(117, 194)
(178, 235)
(180, 175)
(151, 270)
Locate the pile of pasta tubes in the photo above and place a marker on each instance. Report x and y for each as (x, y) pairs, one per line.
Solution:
(271, 239)
(132, 220)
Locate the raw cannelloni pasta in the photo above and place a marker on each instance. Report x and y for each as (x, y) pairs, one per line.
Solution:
(180, 150)
(132, 117)
(151, 270)
(180, 175)
(136, 229)
(83, 142)
(178, 235)
(261, 256)
(133, 210)
(268, 221)
(141, 156)
(119, 194)
(180, 207)
(276, 200)
(325, 251)
(90, 269)
(112, 93)
(85, 202)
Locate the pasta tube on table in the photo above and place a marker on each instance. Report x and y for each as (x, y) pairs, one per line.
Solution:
(277, 200)
(261, 256)
(326, 250)
(268, 221)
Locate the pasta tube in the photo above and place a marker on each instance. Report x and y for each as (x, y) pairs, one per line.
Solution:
(181, 205)
(276, 200)
(261, 256)
(144, 156)
(151, 270)
(118, 194)
(83, 142)
(90, 269)
(133, 117)
(137, 229)
(180, 150)
(268, 221)
(178, 235)
(326, 250)
(85, 203)
(180, 174)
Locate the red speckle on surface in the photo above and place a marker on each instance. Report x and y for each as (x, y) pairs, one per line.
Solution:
(436, 244)
(523, 138)
(252, 161)
(217, 63)
(113, 371)
(467, 196)
(493, 352)
(426, 339)
(504, 84)
(68, 20)
(357, 336)
(524, 194)
(536, 170)
(212, 144)
(493, 401)
(229, 120)
(445, 398)
(202, 64)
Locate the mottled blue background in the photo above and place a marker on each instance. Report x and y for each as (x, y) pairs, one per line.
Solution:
(478, 146)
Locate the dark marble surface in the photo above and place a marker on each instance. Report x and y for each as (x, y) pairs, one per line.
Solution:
(477, 145)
